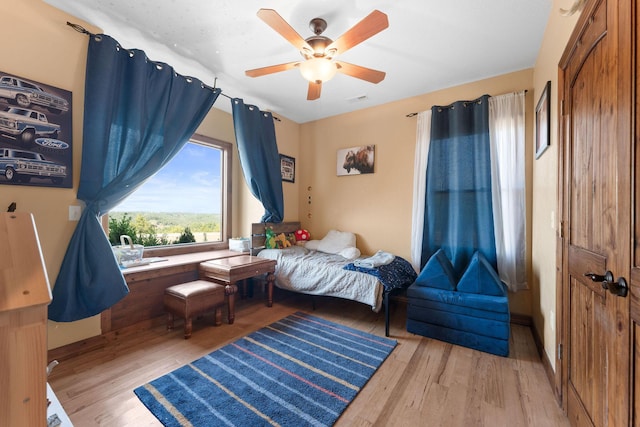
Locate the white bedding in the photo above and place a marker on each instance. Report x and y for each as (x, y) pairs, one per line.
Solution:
(311, 272)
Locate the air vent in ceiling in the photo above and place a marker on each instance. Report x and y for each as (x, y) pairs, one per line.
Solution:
(359, 98)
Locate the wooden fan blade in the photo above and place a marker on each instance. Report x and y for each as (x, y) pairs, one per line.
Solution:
(314, 91)
(257, 72)
(275, 21)
(371, 25)
(363, 73)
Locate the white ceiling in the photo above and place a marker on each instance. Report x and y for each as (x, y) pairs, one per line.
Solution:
(429, 45)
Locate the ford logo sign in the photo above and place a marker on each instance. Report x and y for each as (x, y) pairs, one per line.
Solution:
(52, 143)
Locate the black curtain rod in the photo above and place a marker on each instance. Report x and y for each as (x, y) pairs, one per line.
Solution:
(215, 81)
(83, 30)
(415, 114)
(78, 28)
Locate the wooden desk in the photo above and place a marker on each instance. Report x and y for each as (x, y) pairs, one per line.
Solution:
(147, 284)
(231, 270)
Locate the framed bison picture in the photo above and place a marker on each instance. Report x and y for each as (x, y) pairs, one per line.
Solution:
(355, 160)
(35, 133)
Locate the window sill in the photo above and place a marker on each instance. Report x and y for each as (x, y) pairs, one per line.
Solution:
(175, 262)
(184, 249)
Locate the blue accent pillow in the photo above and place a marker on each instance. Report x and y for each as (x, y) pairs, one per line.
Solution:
(438, 273)
(481, 278)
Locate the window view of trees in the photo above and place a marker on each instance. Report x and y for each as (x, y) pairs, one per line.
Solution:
(183, 203)
(157, 229)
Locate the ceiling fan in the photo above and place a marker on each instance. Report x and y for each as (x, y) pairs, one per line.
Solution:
(319, 52)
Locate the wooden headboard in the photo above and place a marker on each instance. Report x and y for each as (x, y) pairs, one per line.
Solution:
(258, 232)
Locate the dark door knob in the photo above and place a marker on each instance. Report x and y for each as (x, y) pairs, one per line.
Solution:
(618, 287)
(608, 277)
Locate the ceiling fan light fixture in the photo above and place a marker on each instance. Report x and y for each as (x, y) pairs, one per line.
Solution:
(319, 52)
(318, 70)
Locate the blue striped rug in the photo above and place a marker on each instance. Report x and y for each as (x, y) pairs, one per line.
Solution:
(299, 371)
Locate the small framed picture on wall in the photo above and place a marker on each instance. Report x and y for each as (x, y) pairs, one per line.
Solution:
(543, 114)
(288, 168)
(355, 160)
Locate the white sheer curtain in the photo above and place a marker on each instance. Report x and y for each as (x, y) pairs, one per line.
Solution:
(423, 137)
(507, 136)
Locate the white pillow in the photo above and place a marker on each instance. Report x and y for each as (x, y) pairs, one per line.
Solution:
(350, 253)
(335, 241)
(312, 245)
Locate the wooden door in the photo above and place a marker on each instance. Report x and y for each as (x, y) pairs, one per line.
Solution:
(595, 202)
(634, 285)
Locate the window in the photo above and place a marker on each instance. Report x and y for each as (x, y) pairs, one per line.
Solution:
(185, 207)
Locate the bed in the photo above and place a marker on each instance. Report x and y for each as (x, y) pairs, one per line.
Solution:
(314, 272)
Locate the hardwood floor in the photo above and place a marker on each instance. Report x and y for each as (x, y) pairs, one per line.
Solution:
(424, 382)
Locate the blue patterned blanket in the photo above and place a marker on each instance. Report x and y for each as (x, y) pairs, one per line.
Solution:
(396, 275)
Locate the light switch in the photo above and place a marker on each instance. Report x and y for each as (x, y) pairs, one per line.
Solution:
(74, 212)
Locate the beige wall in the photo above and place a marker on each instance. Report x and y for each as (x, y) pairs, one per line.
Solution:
(377, 207)
(545, 178)
(51, 52)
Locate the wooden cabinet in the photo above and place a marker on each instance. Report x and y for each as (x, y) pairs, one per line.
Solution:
(24, 296)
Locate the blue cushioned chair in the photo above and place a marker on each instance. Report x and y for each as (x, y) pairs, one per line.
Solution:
(472, 312)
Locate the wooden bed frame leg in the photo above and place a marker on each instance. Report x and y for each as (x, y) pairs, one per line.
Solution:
(386, 314)
(270, 279)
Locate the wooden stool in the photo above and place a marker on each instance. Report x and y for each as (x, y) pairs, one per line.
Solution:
(193, 298)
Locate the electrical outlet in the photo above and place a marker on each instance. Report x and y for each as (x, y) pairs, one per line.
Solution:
(74, 212)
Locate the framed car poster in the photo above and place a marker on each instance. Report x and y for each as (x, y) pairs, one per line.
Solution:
(35, 133)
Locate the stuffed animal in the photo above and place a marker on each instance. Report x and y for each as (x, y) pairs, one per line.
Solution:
(269, 238)
(281, 241)
(302, 235)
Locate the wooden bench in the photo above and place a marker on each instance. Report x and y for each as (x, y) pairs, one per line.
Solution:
(190, 299)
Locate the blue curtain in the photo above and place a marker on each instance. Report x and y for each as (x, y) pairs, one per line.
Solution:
(259, 158)
(137, 116)
(458, 206)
